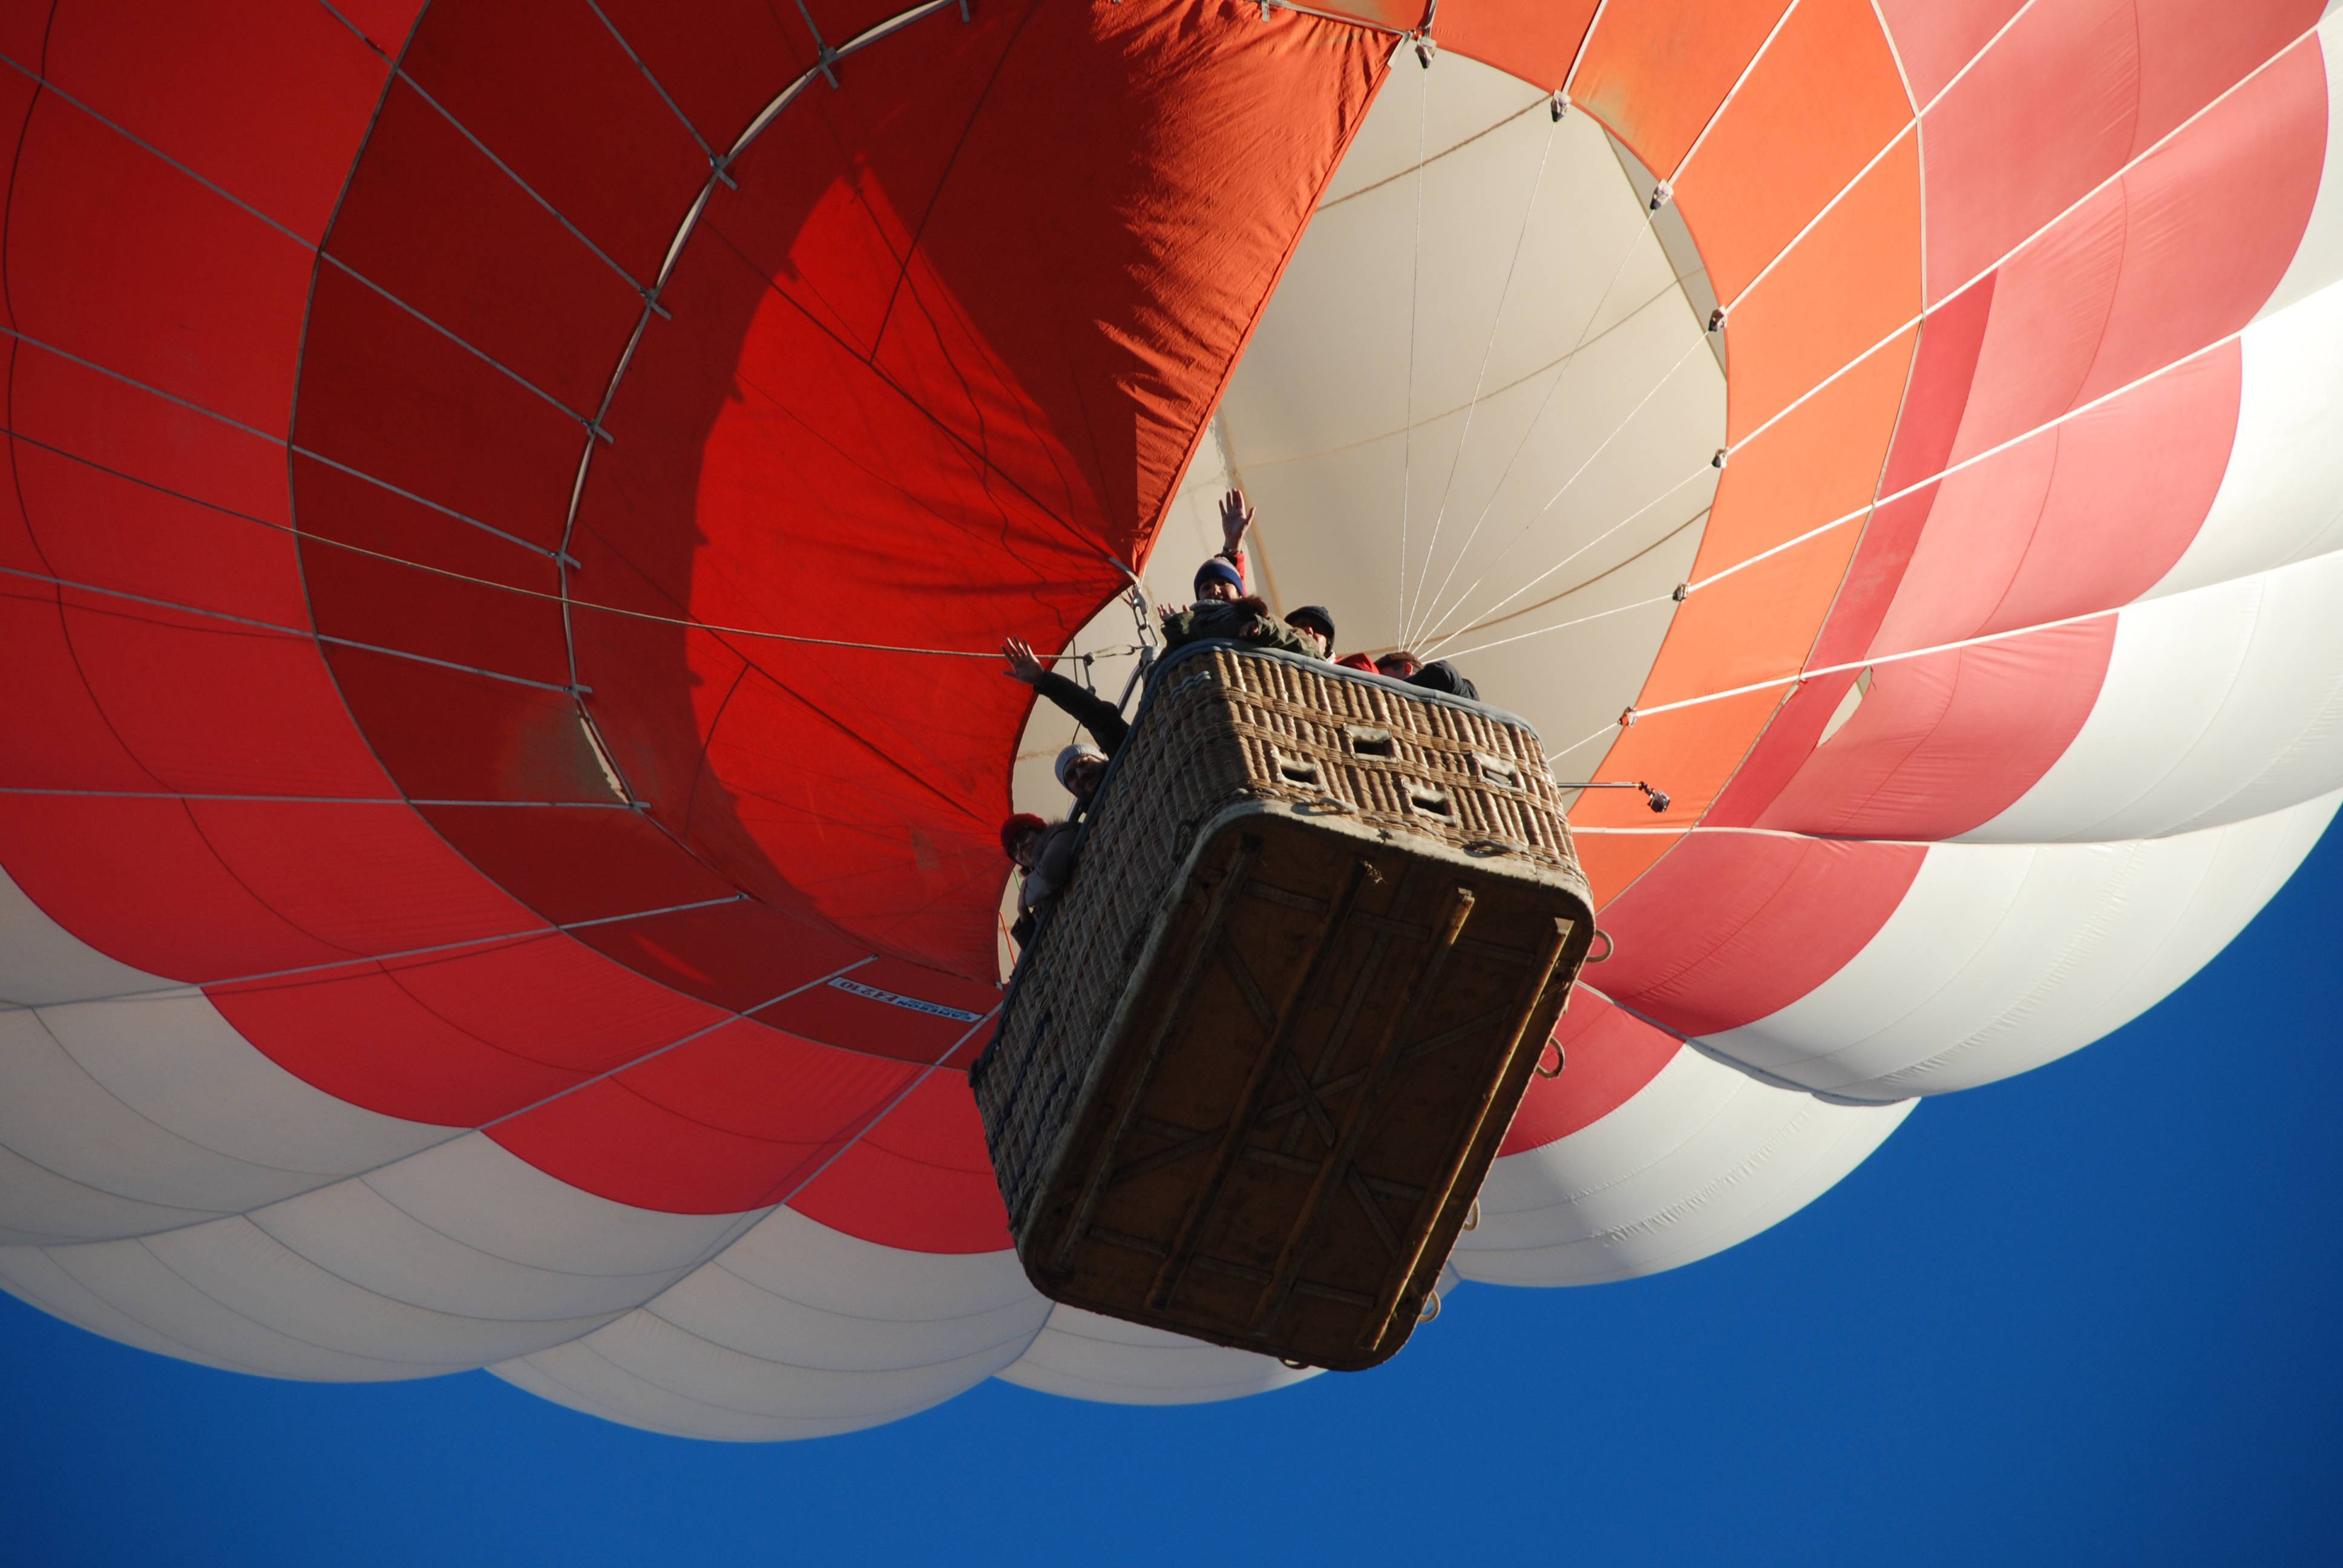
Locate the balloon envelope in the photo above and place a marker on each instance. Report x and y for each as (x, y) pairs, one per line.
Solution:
(511, 504)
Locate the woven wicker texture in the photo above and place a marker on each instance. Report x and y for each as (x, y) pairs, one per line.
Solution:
(1222, 727)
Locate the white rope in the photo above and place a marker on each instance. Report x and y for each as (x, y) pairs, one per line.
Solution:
(1480, 379)
(1415, 269)
(1731, 93)
(1997, 263)
(1630, 517)
(1871, 505)
(1436, 617)
(1562, 367)
(1698, 343)
(1925, 480)
(311, 632)
(1668, 597)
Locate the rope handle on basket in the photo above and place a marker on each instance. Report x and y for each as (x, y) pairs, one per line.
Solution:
(1609, 947)
(1559, 1062)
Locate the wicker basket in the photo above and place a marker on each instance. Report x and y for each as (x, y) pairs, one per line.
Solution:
(1253, 1068)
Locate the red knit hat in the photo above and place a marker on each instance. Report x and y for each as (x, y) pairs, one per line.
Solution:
(1016, 827)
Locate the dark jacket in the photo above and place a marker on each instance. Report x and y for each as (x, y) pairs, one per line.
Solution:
(1246, 621)
(1443, 677)
(1054, 857)
(1092, 712)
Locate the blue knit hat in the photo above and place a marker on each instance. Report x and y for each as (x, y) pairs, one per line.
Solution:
(1219, 569)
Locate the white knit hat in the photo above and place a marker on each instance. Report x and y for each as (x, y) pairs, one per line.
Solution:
(1072, 754)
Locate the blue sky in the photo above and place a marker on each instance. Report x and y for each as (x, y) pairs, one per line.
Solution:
(2085, 1316)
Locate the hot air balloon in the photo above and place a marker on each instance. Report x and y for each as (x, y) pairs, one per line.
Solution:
(510, 504)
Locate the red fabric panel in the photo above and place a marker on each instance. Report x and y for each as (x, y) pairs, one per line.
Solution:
(1934, 38)
(163, 281)
(1608, 1055)
(23, 32)
(1733, 926)
(923, 427)
(1944, 743)
(2024, 537)
(386, 23)
(721, 90)
(2174, 257)
(589, 135)
(450, 735)
(16, 98)
(739, 956)
(842, 1012)
(302, 861)
(207, 891)
(920, 1178)
(212, 706)
(2191, 50)
(53, 735)
(734, 1120)
(268, 99)
(1785, 747)
(383, 604)
(103, 421)
(578, 863)
(892, 432)
(1944, 372)
(2212, 220)
(365, 595)
(393, 399)
(87, 524)
(2067, 96)
(432, 221)
(461, 1038)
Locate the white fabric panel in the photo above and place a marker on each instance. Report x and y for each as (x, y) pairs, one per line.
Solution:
(797, 1330)
(1082, 1355)
(38, 1205)
(1701, 1158)
(581, 1378)
(2319, 260)
(473, 1230)
(1370, 333)
(41, 962)
(2281, 496)
(453, 1257)
(2003, 956)
(2220, 705)
(131, 1282)
(32, 1275)
(149, 1111)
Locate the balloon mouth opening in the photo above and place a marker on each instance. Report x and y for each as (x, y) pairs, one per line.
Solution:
(1479, 416)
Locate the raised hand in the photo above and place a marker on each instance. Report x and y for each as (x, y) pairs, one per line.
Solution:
(1022, 665)
(1236, 516)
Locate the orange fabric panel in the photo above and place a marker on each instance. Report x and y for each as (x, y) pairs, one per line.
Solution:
(1850, 283)
(1655, 70)
(1819, 462)
(1533, 39)
(1821, 103)
(1400, 15)
(1612, 861)
(1689, 752)
(1756, 625)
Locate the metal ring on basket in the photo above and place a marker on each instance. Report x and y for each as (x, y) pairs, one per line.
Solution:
(1609, 947)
